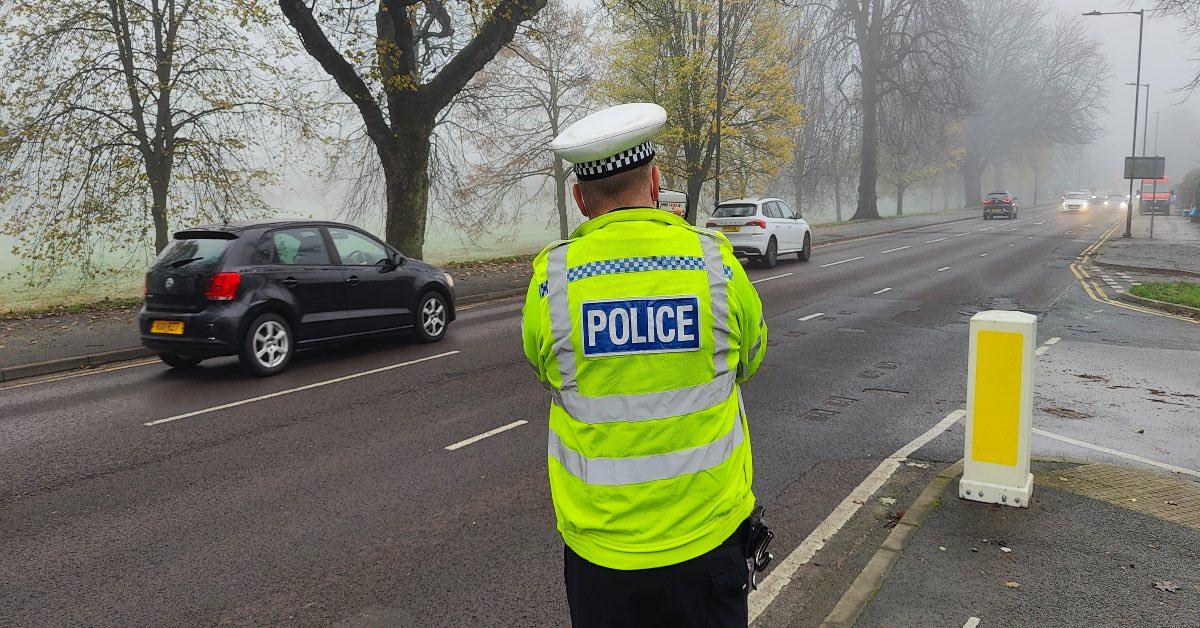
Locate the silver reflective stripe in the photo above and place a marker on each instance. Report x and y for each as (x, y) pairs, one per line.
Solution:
(761, 333)
(613, 471)
(646, 406)
(560, 315)
(720, 303)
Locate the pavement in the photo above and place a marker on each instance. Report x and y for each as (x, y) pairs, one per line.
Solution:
(1173, 250)
(395, 483)
(1099, 546)
(37, 339)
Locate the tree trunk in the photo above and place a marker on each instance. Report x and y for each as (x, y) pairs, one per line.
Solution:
(560, 197)
(972, 173)
(406, 186)
(899, 200)
(868, 177)
(160, 183)
(695, 184)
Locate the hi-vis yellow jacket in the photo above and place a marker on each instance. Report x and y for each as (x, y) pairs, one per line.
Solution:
(642, 326)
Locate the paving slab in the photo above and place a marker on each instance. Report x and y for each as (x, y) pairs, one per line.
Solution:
(1073, 559)
(1174, 249)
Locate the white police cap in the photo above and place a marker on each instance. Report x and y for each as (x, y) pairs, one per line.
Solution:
(611, 140)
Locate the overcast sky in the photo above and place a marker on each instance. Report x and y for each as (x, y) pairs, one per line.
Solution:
(1166, 65)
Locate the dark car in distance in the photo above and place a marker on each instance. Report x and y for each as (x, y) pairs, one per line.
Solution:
(262, 290)
(999, 204)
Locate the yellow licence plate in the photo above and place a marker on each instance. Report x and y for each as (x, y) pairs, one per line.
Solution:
(166, 327)
(731, 228)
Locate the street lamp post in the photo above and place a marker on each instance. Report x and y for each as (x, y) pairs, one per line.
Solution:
(1141, 13)
(720, 94)
(1145, 117)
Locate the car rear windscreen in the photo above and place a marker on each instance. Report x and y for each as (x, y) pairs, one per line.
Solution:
(1078, 197)
(997, 195)
(192, 253)
(734, 211)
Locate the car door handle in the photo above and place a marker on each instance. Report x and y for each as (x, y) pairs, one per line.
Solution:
(352, 280)
(289, 281)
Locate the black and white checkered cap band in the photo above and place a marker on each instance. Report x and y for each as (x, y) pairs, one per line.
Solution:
(627, 159)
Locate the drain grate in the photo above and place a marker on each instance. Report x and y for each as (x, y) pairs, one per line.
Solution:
(841, 402)
(818, 414)
(870, 374)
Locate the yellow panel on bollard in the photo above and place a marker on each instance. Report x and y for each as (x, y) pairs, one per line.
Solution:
(999, 408)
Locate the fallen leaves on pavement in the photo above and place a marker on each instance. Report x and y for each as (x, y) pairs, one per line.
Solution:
(1166, 585)
(1012, 585)
(1066, 413)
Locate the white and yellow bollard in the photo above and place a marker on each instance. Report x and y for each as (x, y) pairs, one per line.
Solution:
(999, 408)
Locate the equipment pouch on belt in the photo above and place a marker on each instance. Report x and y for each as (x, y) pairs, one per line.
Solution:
(758, 554)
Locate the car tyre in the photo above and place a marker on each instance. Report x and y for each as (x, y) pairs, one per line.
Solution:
(268, 346)
(771, 257)
(432, 317)
(177, 361)
(805, 253)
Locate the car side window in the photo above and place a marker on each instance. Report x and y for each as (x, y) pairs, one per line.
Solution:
(356, 249)
(769, 210)
(301, 246)
(785, 211)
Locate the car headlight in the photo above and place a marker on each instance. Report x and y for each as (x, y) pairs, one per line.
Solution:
(449, 280)
(1124, 205)
(1106, 203)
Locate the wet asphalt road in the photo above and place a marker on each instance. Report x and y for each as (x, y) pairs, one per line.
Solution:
(339, 504)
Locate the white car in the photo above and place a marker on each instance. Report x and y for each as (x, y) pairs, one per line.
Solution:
(763, 229)
(1076, 201)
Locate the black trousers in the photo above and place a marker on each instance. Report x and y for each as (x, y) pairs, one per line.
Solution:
(707, 591)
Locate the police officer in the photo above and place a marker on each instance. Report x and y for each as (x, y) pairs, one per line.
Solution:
(642, 327)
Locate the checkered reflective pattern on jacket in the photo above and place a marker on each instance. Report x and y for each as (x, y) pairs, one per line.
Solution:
(634, 265)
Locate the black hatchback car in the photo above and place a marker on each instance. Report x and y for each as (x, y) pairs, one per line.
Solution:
(262, 290)
(999, 204)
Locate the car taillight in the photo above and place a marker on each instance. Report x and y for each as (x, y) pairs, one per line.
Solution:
(987, 201)
(758, 222)
(223, 286)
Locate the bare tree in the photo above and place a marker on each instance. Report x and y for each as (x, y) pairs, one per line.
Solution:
(912, 47)
(536, 87)
(417, 55)
(121, 117)
(1020, 59)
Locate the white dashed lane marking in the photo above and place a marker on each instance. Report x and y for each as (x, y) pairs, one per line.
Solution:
(770, 278)
(983, 255)
(474, 439)
(234, 404)
(899, 248)
(934, 240)
(959, 235)
(1040, 350)
(852, 259)
(812, 316)
(1053, 341)
(943, 268)
(881, 291)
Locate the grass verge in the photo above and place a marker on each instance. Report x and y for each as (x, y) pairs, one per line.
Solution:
(1178, 292)
(103, 305)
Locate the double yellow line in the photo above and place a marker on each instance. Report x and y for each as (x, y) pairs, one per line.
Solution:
(1096, 292)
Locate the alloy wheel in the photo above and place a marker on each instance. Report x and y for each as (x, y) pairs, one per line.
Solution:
(271, 344)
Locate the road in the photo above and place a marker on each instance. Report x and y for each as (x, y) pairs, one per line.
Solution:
(342, 498)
